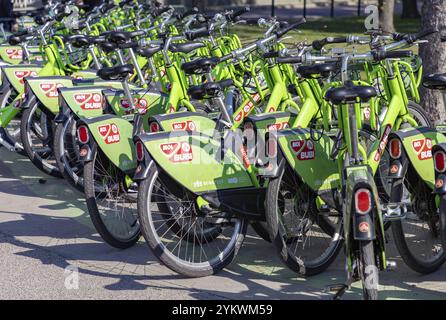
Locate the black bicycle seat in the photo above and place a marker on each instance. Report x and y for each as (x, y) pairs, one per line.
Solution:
(209, 90)
(200, 66)
(150, 51)
(108, 46)
(350, 93)
(185, 47)
(119, 36)
(317, 70)
(435, 81)
(115, 73)
(78, 40)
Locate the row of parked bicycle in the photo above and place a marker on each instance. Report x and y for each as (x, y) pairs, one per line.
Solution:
(176, 130)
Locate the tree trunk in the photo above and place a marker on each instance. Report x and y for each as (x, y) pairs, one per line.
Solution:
(386, 8)
(433, 15)
(410, 9)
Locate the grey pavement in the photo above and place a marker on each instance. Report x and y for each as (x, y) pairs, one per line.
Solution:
(45, 227)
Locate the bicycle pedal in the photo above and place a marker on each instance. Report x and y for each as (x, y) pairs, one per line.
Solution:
(394, 212)
(391, 265)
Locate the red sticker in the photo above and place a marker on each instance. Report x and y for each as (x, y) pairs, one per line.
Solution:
(24, 73)
(14, 54)
(304, 149)
(383, 143)
(140, 104)
(177, 152)
(247, 108)
(50, 89)
(364, 227)
(110, 133)
(89, 101)
(423, 147)
(188, 125)
(277, 126)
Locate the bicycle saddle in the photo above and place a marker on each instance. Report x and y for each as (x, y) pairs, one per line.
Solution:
(115, 73)
(185, 47)
(108, 46)
(350, 93)
(150, 51)
(209, 90)
(435, 81)
(199, 66)
(317, 70)
(78, 40)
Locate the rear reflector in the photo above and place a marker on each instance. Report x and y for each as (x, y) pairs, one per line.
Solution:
(439, 161)
(139, 150)
(82, 134)
(363, 201)
(395, 148)
(154, 127)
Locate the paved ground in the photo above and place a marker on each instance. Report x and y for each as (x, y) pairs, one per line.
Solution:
(45, 227)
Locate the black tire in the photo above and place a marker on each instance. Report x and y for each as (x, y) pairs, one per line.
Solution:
(34, 134)
(296, 261)
(369, 273)
(150, 213)
(12, 131)
(98, 190)
(66, 153)
(419, 236)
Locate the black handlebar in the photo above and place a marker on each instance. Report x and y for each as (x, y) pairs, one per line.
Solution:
(379, 55)
(271, 54)
(200, 33)
(292, 26)
(291, 60)
(319, 44)
(411, 38)
(187, 13)
(232, 16)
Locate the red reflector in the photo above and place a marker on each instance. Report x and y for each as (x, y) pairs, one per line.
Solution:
(439, 161)
(395, 148)
(154, 127)
(82, 134)
(139, 151)
(271, 148)
(363, 201)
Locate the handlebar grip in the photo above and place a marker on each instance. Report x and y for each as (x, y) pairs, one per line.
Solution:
(128, 45)
(443, 38)
(420, 35)
(271, 54)
(290, 60)
(292, 26)
(381, 55)
(319, 44)
(192, 35)
(187, 13)
(234, 15)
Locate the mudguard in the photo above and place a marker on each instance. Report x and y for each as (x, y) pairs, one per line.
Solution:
(181, 121)
(45, 90)
(310, 159)
(82, 101)
(271, 121)
(148, 102)
(196, 161)
(114, 137)
(16, 74)
(417, 144)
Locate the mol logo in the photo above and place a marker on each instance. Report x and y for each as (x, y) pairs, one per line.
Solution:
(89, 101)
(383, 143)
(188, 125)
(110, 133)
(177, 151)
(50, 89)
(20, 75)
(304, 149)
(423, 148)
(277, 126)
(14, 54)
(140, 104)
(242, 114)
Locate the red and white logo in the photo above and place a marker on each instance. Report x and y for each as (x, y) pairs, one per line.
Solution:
(24, 73)
(188, 125)
(383, 143)
(247, 108)
(141, 104)
(50, 89)
(177, 151)
(304, 149)
(110, 133)
(89, 101)
(423, 147)
(278, 126)
(14, 54)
